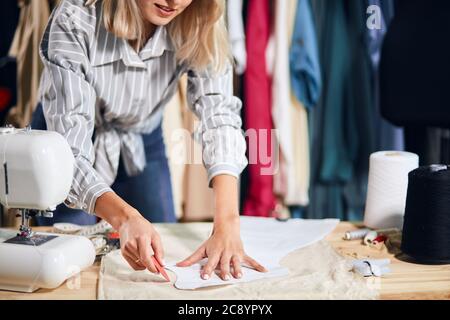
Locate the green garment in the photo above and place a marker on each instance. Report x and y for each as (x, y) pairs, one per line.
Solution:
(342, 129)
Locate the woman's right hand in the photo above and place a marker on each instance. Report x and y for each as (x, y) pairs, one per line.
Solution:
(138, 237)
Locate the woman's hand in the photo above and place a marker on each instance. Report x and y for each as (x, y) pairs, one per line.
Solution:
(224, 248)
(224, 251)
(138, 237)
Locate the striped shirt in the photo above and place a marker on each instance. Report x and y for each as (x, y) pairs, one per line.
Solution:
(96, 81)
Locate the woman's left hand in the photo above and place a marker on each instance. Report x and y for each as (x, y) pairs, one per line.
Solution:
(225, 252)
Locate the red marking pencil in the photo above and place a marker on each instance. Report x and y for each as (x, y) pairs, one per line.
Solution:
(160, 269)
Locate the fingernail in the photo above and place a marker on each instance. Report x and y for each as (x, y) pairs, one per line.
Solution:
(205, 276)
(163, 262)
(227, 277)
(239, 275)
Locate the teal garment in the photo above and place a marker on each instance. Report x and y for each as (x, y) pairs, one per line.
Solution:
(342, 128)
(304, 63)
(335, 161)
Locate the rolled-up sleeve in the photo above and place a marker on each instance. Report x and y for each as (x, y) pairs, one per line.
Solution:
(210, 96)
(68, 102)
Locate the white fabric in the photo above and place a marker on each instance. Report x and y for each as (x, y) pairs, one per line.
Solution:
(237, 34)
(291, 183)
(315, 272)
(265, 240)
(372, 267)
(281, 81)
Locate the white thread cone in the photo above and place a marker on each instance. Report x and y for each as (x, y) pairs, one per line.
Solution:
(387, 188)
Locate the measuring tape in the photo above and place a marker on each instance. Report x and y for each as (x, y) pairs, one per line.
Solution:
(86, 231)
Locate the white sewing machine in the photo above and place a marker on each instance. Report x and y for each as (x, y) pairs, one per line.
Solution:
(36, 171)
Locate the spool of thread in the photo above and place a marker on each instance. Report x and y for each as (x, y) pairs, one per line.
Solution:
(361, 233)
(355, 235)
(426, 229)
(370, 238)
(387, 188)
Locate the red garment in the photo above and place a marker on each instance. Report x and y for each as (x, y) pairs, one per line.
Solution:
(260, 200)
(5, 98)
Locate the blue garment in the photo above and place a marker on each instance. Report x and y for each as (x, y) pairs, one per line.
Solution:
(150, 192)
(297, 212)
(375, 36)
(305, 72)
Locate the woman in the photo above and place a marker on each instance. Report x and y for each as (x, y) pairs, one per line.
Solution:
(110, 67)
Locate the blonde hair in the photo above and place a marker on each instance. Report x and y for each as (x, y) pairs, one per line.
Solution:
(198, 34)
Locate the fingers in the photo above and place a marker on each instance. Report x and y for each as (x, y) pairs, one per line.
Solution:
(209, 267)
(194, 258)
(133, 261)
(236, 264)
(130, 251)
(145, 253)
(253, 264)
(158, 249)
(225, 267)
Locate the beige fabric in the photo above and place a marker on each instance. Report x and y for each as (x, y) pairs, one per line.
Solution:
(316, 272)
(33, 19)
(198, 197)
(192, 196)
(173, 121)
(299, 192)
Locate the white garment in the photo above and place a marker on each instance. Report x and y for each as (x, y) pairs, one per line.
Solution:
(290, 117)
(281, 81)
(237, 34)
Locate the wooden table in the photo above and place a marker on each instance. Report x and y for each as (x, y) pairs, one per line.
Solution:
(407, 281)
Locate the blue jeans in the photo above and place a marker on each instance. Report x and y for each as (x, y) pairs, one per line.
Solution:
(150, 192)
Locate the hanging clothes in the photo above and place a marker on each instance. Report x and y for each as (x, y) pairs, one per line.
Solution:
(172, 123)
(291, 183)
(306, 85)
(34, 15)
(335, 160)
(193, 199)
(306, 77)
(412, 93)
(281, 99)
(260, 199)
(236, 33)
(389, 137)
(325, 198)
(9, 17)
(198, 198)
(342, 128)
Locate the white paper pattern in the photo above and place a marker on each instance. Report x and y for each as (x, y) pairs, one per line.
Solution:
(265, 240)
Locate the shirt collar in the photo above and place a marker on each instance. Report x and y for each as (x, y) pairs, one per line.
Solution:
(110, 48)
(157, 44)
